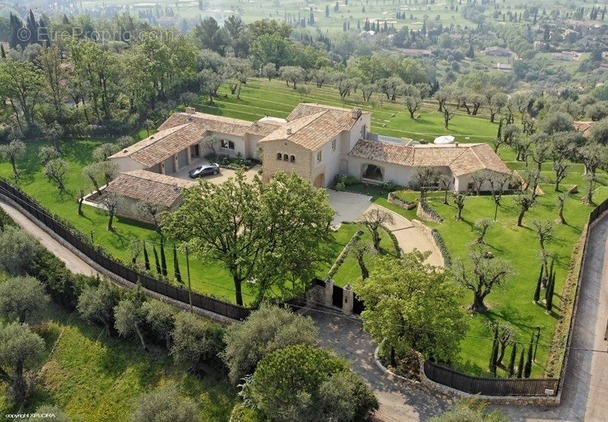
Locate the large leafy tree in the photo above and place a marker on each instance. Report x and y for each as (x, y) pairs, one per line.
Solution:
(21, 297)
(21, 83)
(270, 233)
(19, 348)
(264, 331)
(96, 304)
(302, 380)
(413, 306)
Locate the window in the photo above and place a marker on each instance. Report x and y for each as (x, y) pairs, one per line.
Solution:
(285, 157)
(227, 144)
(293, 159)
(333, 145)
(319, 156)
(279, 156)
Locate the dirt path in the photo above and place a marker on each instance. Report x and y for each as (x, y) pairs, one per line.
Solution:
(71, 260)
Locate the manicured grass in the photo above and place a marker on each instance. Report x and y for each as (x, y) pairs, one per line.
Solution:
(349, 270)
(207, 278)
(261, 97)
(520, 247)
(98, 379)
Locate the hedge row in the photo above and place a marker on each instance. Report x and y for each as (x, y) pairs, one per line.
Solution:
(344, 254)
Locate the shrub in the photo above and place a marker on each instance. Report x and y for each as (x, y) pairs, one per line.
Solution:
(264, 331)
(445, 252)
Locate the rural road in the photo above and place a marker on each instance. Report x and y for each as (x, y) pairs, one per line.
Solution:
(71, 260)
(586, 389)
(585, 395)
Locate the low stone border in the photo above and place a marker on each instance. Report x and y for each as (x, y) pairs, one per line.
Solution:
(428, 232)
(388, 372)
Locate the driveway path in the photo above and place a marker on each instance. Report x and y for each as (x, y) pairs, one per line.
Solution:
(350, 206)
(399, 401)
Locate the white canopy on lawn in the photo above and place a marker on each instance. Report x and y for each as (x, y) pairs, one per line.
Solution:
(445, 139)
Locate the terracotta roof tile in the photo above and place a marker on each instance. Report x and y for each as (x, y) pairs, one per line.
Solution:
(461, 159)
(343, 116)
(145, 185)
(583, 127)
(208, 122)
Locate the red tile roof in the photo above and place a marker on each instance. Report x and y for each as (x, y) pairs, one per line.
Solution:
(460, 158)
(145, 185)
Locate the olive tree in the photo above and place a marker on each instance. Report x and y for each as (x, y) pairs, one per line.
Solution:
(195, 341)
(12, 152)
(20, 348)
(96, 304)
(265, 330)
(482, 275)
(290, 382)
(374, 220)
(19, 249)
(165, 405)
(130, 316)
(21, 298)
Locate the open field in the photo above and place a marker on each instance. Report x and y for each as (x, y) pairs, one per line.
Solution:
(98, 379)
(332, 15)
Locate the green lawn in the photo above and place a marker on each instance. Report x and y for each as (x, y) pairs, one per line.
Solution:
(261, 97)
(519, 246)
(207, 278)
(95, 378)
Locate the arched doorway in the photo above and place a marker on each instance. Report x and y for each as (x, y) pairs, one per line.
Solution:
(373, 172)
(319, 181)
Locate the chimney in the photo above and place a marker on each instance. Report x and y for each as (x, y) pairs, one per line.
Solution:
(288, 131)
(190, 110)
(355, 113)
(456, 144)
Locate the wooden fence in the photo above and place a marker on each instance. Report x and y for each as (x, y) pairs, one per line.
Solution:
(81, 243)
(490, 386)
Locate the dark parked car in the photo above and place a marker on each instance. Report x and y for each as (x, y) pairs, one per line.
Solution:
(204, 170)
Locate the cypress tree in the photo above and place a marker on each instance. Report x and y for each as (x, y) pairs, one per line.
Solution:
(511, 368)
(178, 274)
(2, 52)
(163, 258)
(156, 261)
(494, 354)
(528, 367)
(146, 258)
(520, 367)
(493, 359)
(549, 292)
(538, 284)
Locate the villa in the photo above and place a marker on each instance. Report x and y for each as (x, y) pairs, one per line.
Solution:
(317, 142)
